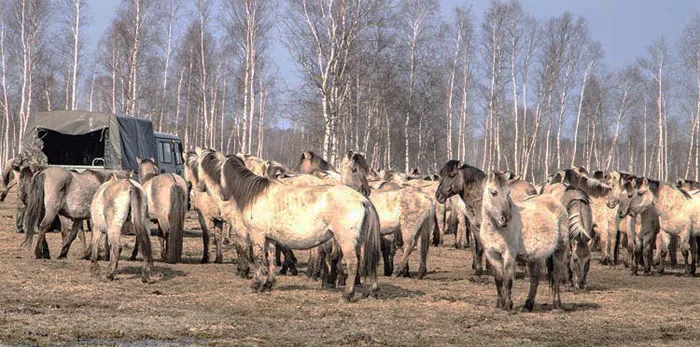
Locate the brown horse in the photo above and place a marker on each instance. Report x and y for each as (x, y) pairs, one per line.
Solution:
(299, 217)
(310, 162)
(117, 203)
(54, 192)
(534, 230)
(167, 205)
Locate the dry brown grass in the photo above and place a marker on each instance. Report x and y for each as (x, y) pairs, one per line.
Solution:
(57, 301)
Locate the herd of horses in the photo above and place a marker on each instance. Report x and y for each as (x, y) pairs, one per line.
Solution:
(351, 216)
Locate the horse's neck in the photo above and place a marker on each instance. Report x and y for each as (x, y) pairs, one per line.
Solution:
(669, 202)
(147, 176)
(472, 201)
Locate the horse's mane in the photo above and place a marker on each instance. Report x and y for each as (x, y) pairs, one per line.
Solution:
(231, 178)
(191, 163)
(247, 185)
(471, 174)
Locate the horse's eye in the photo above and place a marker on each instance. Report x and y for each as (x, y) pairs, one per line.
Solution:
(452, 175)
(354, 169)
(629, 195)
(640, 193)
(494, 193)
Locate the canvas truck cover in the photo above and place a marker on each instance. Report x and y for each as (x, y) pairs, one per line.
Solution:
(125, 138)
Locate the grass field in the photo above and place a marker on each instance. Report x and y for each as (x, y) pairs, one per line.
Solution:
(58, 302)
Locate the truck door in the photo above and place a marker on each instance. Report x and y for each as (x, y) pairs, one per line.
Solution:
(170, 156)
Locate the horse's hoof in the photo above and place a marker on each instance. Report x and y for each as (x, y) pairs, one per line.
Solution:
(205, 261)
(528, 307)
(110, 277)
(347, 297)
(218, 261)
(508, 306)
(421, 274)
(327, 285)
(294, 271)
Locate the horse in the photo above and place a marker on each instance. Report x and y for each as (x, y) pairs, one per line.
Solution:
(167, 206)
(605, 220)
(678, 215)
(578, 208)
(641, 241)
(53, 192)
(688, 185)
(207, 212)
(534, 230)
(457, 178)
(300, 218)
(354, 170)
(310, 162)
(117, 203)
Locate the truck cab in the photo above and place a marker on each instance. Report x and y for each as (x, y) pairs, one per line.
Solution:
(169, 153)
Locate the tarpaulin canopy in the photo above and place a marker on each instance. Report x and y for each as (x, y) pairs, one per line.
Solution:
(125, 138)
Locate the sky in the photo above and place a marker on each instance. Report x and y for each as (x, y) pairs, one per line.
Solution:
(624, 27)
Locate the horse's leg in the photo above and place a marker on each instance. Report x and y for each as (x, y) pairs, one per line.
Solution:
(508, 276)
(95, 245)
(81, 236)
(478, 253)
(278, 258)
(534, 270)
(672, 248)
(260, 263)
(648, 250)
(113, 234)
(352, 259)
(290, 261)
(106, 247)
(163, 246)
(204, 225)
(71, 237)
(135, 251)
(693, 254)
(270, 281)
(461, 231)
(218, 239)
(311, 262)
(243, 259)
(686, 240)
(497, 265)
(408, 245)
(439, 237)
(387, 256)
(604, 244)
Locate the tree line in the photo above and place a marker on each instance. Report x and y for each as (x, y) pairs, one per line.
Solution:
(396, 79)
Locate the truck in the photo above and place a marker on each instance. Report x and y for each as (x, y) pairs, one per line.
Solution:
(82, 140)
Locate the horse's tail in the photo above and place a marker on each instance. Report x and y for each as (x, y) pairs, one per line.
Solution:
(578, 208)
(372, 248)
(139, 214)
(176, 221)
(35, 207)
(427, 227)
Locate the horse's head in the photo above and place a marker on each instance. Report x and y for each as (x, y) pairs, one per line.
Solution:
(496, 203)
(451, 181)
(306, 162)
(147, 169)
(637, 199)
(274, 170)
(354, 170)
(580, 262)
(616, 185)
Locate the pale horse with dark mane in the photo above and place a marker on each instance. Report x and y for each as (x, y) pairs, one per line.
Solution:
(167, 206)
(298, 217)
(55, 191)
(120, 204)
(535, 230)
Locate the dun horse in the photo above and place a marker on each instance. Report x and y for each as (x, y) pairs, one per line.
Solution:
(641, 242)
(167, 205)
(300, 218)
(118, 203)
(56, 191)
(534, 230)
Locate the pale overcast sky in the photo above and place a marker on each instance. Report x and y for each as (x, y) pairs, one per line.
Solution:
(624, 27)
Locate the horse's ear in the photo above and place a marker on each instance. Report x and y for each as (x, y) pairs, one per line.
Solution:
(306, 155)
(492, 176)
(460, 164)
(138, 160)
(198, 151)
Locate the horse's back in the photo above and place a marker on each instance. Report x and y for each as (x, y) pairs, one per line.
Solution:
(544, 225)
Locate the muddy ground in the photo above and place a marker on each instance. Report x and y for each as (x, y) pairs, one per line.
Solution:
(58, 302)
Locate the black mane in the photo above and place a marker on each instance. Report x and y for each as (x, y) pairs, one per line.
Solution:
(470, 173)
(234, 179)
